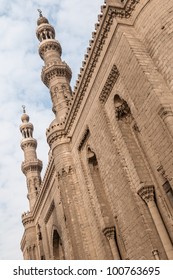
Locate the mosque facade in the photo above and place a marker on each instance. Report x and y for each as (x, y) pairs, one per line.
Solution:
(107, 192)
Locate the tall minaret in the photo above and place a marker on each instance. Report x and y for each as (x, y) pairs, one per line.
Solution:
(31, 166)
(56, 74)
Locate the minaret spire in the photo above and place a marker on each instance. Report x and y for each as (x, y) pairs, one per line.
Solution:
(31, 166)
(56, 74)
(40, 12)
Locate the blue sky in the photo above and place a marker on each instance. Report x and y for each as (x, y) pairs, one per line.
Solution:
(20, 83)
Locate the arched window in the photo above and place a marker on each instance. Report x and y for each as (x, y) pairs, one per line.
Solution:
(58, 252)
(106, 214)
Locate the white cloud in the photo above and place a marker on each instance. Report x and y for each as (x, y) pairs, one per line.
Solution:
(20, 83)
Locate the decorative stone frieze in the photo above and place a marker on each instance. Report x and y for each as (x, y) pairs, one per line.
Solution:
(125, 11)
(110, 82)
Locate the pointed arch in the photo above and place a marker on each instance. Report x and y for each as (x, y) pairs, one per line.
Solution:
(58, 251)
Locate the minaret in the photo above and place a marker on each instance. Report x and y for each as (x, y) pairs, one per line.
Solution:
(56, 74)
(31, 166)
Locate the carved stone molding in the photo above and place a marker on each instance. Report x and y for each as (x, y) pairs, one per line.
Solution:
(56, 135)
(65, 171)
(147, 193)
(26, 143)
(110, 82)
(109, 232)
(53, 70)
(96, 45)
(49, 45)
(49, 212)
(126, 11)
(84, 138)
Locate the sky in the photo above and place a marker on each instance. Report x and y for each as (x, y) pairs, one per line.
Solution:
(20, 84)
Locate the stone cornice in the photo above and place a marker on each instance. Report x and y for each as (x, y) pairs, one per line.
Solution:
(94, 50)
(110, 82)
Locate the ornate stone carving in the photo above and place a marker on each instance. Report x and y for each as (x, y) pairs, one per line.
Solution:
(147, 193)
(53, 70)
(94, 51)
(122, 111)
(109, 232)
(110, 82)
(65, 171)
(49, 45)
(126, 11)
(84, 138)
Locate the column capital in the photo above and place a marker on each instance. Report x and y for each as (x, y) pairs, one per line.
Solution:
(109, 232)
(147, 193)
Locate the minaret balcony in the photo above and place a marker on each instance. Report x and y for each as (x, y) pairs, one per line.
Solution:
(50, 45)
(32, 165)
(28, 142)
(27, 218)
(54, 70)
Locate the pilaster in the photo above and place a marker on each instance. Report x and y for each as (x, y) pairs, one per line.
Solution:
(148, 195)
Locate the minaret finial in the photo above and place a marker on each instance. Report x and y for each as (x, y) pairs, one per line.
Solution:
(24, 109)
(40, 12)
